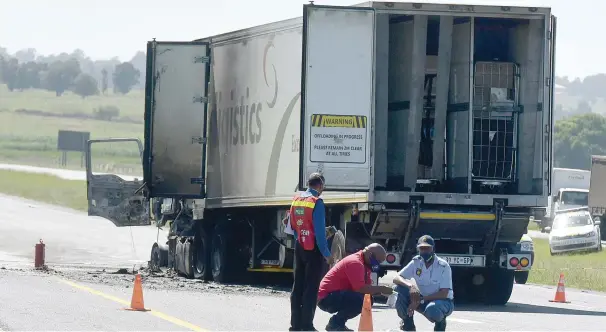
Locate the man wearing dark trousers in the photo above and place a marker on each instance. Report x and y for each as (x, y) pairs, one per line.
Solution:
(342, 289)
(308, 221)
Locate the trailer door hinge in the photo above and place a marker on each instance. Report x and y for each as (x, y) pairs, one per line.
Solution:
(201, 59)
(200, 99)
(547, 81)
(198, 140)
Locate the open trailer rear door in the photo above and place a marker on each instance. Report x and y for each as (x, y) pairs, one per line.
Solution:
(176, 104)
(337, 92)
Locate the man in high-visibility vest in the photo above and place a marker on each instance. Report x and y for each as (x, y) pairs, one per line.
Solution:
(308, 221)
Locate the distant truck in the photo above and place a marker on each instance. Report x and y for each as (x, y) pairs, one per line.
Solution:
(569, 189)
(597, 191)
(424, 118)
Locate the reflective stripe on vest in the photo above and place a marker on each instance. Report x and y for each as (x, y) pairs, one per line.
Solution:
(301, 220)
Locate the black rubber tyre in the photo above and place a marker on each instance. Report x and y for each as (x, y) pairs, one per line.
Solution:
(500, 286)
(201, 254)
(521, 277)
(159, 257)
(221, 256)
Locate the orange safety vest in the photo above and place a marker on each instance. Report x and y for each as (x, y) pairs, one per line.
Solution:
(301, 220)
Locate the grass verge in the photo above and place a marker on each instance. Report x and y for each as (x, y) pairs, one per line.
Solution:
(44, 188)
(130, 105)
(584, 270)
(30, 138)
(533, 226)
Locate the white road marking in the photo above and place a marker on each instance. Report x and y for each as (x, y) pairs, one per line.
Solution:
(462, 320)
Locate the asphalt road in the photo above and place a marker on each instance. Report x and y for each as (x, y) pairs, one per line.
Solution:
(40, 301)
(81, 292)
(71, 237)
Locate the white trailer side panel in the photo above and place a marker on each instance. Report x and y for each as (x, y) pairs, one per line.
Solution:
(254, 119)
(597, 189)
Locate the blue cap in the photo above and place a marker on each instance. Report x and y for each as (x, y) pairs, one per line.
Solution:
(425, 241)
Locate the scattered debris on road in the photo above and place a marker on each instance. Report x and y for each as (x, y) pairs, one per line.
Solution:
(159, 280)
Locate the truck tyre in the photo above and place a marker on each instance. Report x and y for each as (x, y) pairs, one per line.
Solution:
(221, 255)
(499, 286)
(201, 254)
(159, 257)
(521, 277)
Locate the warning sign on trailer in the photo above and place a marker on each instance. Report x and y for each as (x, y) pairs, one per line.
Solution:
(338, 138)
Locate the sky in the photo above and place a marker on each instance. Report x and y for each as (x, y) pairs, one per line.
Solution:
(109, 28)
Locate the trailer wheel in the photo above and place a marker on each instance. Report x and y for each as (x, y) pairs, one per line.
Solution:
(221, 255)
(499, 286)
(159, 257)
(521, 277)
(201, 254)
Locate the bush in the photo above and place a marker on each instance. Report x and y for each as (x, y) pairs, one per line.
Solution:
(106, 113)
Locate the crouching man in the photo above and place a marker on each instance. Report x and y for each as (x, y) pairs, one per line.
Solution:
(431, 292)
(342, 289)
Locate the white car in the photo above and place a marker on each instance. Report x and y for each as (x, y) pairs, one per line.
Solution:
(574, 230)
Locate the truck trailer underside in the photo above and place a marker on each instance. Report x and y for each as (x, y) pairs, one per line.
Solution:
(424, 119)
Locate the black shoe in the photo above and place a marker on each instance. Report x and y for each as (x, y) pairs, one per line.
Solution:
(408, 325)
(332, 327)
(309, 329)
(440, 326)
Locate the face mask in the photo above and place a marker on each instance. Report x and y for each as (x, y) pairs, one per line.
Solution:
(374, 264)
(427, 256)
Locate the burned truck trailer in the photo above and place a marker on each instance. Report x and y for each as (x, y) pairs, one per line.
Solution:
(424, 119)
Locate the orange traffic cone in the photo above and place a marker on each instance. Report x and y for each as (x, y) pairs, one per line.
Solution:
(560, 296)
(136, 302)
(366, 316)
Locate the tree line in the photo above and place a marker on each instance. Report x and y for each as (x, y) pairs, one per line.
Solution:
(65, 75)
(578, 137)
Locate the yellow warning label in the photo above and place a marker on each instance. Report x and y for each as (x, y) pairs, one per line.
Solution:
(340, 121)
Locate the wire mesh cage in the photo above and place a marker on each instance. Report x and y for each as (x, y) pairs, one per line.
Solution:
(495, 121)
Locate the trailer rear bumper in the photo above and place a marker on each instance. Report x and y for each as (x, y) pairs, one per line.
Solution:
(529, 201)
(511, 261)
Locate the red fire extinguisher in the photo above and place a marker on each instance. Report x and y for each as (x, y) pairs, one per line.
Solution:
(39, 255)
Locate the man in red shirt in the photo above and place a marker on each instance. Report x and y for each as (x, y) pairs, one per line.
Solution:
(342, 289)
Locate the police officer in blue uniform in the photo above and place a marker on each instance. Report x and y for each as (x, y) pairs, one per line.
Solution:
(425, 286)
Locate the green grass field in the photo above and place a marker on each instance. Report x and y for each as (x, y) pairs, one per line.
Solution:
(532, 226)
(130, 105)
(581, 270)
(30, 139)
(44, 188)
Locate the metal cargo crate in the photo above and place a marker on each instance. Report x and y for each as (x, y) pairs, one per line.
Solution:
(495, 122)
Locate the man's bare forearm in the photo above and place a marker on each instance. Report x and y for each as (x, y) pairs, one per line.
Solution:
(398, 280)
